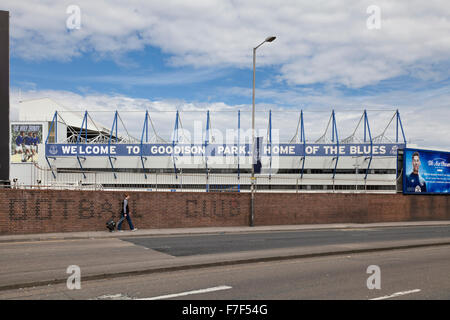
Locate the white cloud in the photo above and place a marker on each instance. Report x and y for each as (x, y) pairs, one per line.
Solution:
(324, 42)
(317, 41)
(154, 79)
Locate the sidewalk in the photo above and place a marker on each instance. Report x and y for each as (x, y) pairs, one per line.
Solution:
(207, 230)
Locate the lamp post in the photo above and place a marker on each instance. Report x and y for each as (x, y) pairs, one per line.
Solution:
(252, 215)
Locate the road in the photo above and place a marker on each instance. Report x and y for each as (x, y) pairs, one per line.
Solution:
(333, 265)
(180, 246)
(420, 273)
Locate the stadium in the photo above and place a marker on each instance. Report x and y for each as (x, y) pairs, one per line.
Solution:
(195, 150)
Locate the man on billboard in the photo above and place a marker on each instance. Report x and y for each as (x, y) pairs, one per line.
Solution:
(414, 182)
(28, 146)
(19, 147)
(35, 142)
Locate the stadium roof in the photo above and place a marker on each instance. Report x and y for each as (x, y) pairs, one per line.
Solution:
(44, 109)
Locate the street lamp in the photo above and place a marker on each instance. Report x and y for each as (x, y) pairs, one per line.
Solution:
(268, 39)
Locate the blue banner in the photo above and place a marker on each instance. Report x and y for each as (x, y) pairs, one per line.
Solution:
(426, 171)
(218, 150)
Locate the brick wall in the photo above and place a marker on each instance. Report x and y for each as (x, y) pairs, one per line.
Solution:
(40, 211)
(273, 209)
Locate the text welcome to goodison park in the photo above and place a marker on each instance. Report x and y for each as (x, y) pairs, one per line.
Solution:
(211, 150)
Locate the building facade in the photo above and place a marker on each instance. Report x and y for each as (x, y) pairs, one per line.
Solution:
(76, 151)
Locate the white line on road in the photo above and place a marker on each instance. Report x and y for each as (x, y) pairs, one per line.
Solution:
(397, 294)
(188, 293)
(118, 296)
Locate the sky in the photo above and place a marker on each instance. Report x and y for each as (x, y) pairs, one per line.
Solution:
(195, 56)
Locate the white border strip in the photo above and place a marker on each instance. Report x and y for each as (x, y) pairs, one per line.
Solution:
(188, 293)
(397, 294)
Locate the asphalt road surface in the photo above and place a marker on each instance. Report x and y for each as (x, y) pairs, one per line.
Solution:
(420, 273)
(179, 246)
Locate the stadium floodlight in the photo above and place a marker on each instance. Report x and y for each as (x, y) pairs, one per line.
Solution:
(268, 39)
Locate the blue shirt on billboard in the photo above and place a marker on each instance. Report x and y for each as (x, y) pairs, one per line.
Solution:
(415, 183)
(28, 140)
(19, 140)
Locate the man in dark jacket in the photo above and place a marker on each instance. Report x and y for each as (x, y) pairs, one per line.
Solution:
(125, 214)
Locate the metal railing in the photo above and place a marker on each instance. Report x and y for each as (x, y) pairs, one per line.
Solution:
(194, 182)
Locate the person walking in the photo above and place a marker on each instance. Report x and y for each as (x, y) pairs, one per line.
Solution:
(125, 214)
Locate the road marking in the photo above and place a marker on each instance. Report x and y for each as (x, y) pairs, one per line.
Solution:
(397, 294)
(188, 293)
(118, 296)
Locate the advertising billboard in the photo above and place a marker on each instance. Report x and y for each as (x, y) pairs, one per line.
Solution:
(25, 139)
(426, 171)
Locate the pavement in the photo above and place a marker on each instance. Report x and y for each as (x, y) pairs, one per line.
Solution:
(207, 230)
(42, 259)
